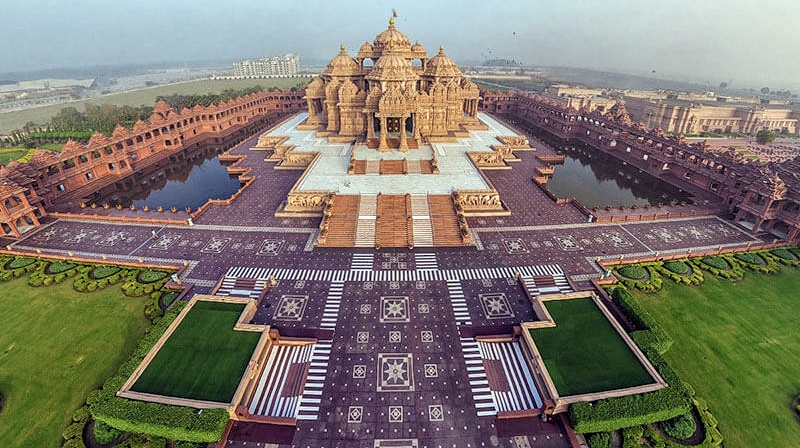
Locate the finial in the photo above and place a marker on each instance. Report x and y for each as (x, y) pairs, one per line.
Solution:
(391, 44)
(341, 48)
(391, 22)
(441, 48)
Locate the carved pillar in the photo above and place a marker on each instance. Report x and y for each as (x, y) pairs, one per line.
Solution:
(383, 146)
(36, 222)
(416, 127)
(370, 125)
(403, 138)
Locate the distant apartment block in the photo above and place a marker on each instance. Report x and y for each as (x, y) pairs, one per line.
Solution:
(283, 65)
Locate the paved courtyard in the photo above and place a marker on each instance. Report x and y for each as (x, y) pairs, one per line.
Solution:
(397, 363)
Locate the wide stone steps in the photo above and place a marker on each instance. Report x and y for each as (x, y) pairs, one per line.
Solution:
(422, 232)
(365, 229)
(370, 220)
(444, 221)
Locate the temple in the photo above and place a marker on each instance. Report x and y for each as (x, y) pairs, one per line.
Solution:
(392, 94)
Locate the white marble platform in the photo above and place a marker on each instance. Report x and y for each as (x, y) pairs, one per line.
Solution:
(456, 171)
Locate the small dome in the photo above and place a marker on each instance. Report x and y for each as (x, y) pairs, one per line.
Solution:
(417, 48)
(442, 66)
(342, 65)
(365, 48)
(391, 36)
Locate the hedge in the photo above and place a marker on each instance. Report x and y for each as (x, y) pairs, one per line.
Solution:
(20, 262)
(611, 414)
(681, 427)
(677, 266)
(650, 333)
(58, 267)
(634, 272)
(749, 257)
(600, 440)
(170, 422)
(716, 262)
(783, 254)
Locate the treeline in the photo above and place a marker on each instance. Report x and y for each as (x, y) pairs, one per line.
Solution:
(178, 102)
(97, 118)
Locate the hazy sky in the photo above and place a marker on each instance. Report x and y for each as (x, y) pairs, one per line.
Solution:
(751, 43)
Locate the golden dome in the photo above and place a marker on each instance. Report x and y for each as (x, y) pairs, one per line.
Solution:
(342, 65)
(442, 66)
(391, 66)
(418, 49)
(391, 35)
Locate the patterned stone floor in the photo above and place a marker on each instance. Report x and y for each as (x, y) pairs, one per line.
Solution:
(395, 365)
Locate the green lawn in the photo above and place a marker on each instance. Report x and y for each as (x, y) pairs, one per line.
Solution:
(738, 345)
(10, 121)
(56, 345)
(583, 353)
(204, 359)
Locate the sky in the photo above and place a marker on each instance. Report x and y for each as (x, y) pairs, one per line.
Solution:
(746, 43)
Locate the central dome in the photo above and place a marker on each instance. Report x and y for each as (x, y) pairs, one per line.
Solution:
(391, 36)
(391, 66)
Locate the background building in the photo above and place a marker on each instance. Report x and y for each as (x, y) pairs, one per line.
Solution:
(283, 65)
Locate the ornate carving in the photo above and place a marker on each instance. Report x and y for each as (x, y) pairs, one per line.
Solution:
(306, 201)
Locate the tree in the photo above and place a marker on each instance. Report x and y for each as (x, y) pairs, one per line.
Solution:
(723, 85)
(765, 90)
(765, 136)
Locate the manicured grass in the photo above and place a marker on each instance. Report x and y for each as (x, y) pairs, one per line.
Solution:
(204, 359)
(738, 345)
(583, 353)
(10, 121)
(57, 345)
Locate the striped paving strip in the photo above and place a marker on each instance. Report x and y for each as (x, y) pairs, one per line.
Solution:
(269, 398)
(523, 394)
(426, 261)
(362, 274)
(484, 399)
(330, 314)
(362, 262)
(459, 302)
(228, 287)
(315, 382)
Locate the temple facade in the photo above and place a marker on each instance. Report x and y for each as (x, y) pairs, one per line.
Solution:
(391, 95)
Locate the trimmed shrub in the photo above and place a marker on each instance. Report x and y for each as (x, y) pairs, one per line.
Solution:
(73, 430)
(631, 436)
(81, 414)
(170, 297)
(650, 333)
(58, 267)
(633, 272)
(151, 276)
(681, 427)
(716, 262)
(20, 262)
(677, 266)
(600, 440)
(104, 271)
(783, 254)
(749, 257)
(105, 434)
